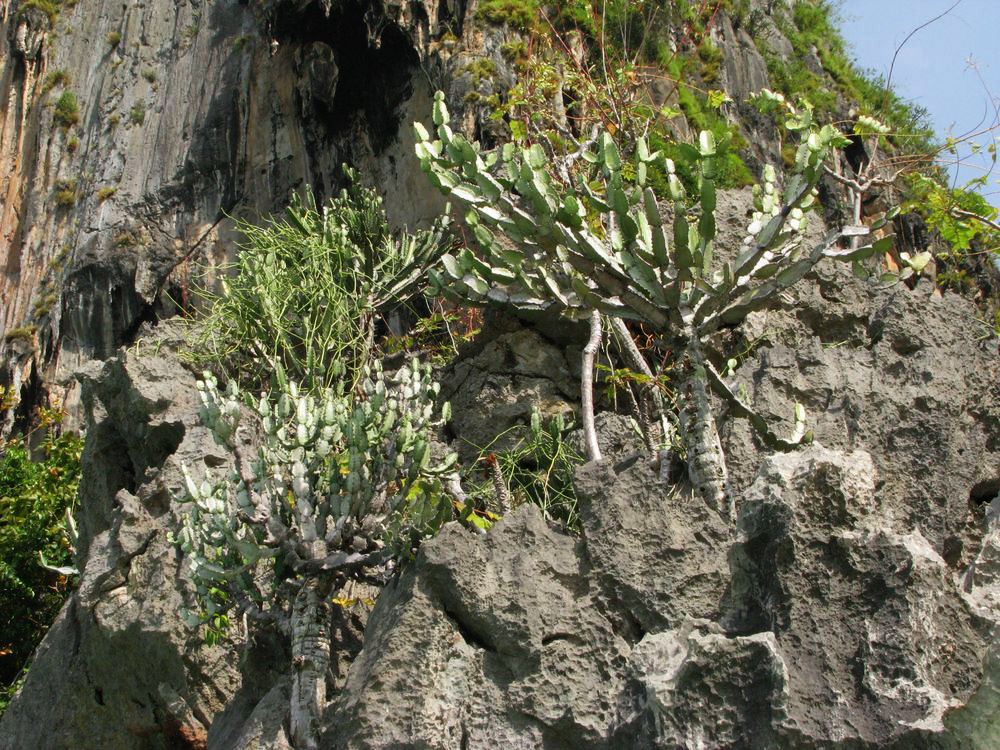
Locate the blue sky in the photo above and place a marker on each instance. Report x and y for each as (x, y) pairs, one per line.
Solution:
(933, 67)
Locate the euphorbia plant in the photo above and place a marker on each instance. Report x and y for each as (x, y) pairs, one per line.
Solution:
(572, 233)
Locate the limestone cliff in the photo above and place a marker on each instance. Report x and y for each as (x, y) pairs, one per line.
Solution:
(855, 605)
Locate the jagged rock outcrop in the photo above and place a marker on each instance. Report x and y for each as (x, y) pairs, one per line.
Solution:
(854, 603)
(120, 668)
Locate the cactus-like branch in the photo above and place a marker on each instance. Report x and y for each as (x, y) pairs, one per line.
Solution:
(599, 244)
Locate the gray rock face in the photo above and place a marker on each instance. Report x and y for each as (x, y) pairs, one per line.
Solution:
(496, 390)
(120, 668)
(898, 373)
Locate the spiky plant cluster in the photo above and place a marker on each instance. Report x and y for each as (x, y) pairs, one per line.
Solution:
(318, 483)
(574, 232)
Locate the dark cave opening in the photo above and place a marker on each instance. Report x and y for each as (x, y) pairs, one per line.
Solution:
(374, 56)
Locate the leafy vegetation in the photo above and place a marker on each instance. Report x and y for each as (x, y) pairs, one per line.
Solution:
(586, 242)
(306, 291)
(35, 494)
(66, 113)
(538, 469)
(137, 114)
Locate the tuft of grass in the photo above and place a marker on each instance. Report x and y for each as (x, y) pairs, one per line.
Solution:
(24, 333)
(113, 38)
(125, 240)
(137, 115)
(67, 112)
(518, 14)
(106, 192)
(55, 78)
(73, 144)
(66, 193)
(150, 75)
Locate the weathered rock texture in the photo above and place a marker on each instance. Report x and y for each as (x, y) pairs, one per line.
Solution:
(191, 113)
(120, 668)
(854, 604)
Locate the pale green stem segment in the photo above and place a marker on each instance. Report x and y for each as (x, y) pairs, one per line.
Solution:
(310, 661)
(706, 461)
(587, 387)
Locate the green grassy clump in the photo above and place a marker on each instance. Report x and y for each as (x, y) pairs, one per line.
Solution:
(137, 115)
(65, 193)
(106, 192)
(814, 26)
(50, 8)
(66, 113)
(24, 333)
(113, 38)
(55, 78)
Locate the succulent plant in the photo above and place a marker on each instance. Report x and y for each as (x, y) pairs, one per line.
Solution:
(328, 485)
(595, 240)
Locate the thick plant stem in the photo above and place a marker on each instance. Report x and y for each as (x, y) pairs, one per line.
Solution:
(706, 462)
(638, 362)
(587, 387)
(310, 661)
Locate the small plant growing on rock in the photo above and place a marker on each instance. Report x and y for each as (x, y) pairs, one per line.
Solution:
(113, 39)
(585, 240)
(137, 115)
(66, 113)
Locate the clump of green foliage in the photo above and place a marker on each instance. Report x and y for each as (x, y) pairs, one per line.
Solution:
(50, 8)
(55, 78)
(137, 115)
(113, 38)
(521, 15)
(24, 333)
(66, 193)
(66, 113)
(539, 467)
(106, 192)
(306, 290)
(813, 26)
(36, 491)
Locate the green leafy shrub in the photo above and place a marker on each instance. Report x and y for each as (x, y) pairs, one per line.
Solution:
(113, 39)
(306, 290)
(67, 112)
(35, 494)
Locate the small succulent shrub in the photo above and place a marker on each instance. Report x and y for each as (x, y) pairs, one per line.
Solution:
(37, 489)
(571, 235)
(306, 290)
(66, 113)
(327, 487)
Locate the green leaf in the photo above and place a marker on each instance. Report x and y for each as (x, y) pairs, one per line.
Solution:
(440, 111)
(535, 157)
